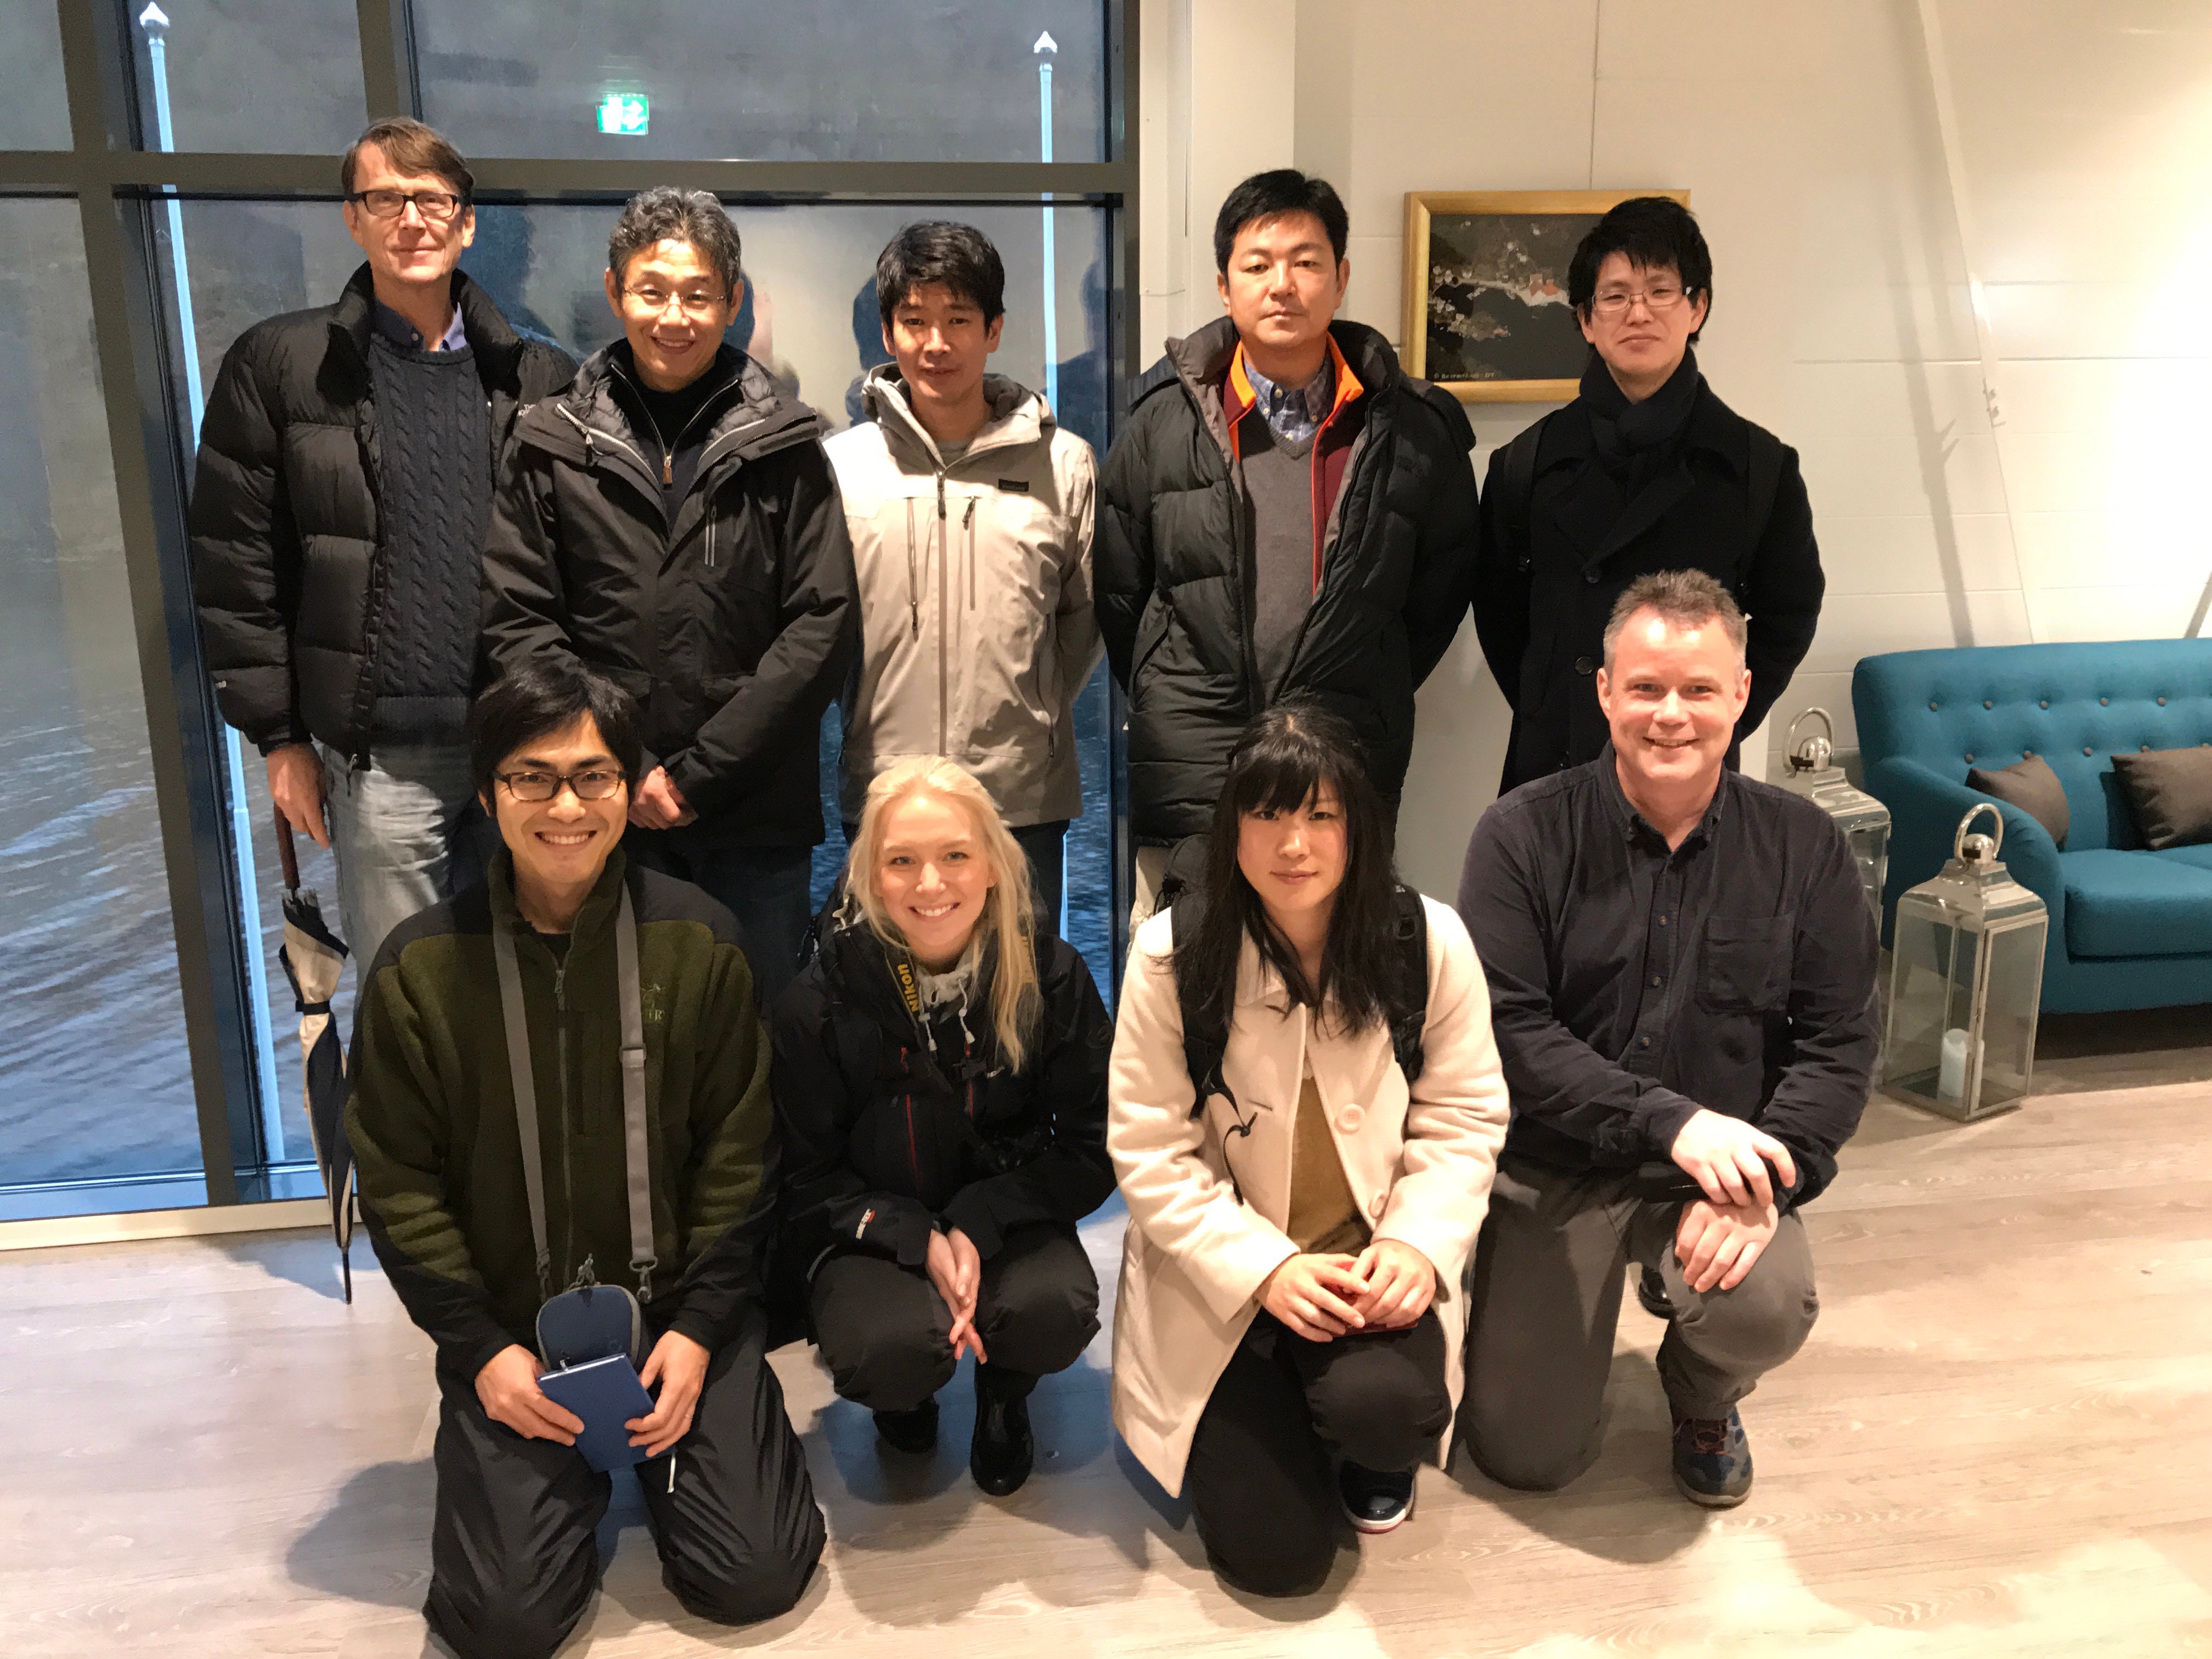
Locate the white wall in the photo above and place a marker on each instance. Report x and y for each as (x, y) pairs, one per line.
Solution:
(1807, 133)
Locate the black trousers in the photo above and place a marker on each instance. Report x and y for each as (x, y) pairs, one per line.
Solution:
(513, 1563)
(1259, 1479)
(886, 1333)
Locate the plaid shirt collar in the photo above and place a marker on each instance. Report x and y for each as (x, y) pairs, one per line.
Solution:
(1295, 412)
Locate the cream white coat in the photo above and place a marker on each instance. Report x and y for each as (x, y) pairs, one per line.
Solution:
(1419, 1163)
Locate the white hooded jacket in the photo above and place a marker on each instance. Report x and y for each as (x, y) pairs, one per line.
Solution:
(976, 623)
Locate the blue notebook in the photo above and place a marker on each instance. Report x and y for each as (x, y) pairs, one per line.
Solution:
(606, 1394)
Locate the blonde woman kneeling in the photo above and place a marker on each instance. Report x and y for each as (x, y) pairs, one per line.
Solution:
(1291, 1277)
(940, 1080)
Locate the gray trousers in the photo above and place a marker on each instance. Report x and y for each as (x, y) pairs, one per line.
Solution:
(407, 833)
(1545, 1299)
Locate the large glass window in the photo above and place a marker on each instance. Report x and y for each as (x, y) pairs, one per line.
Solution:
(94, 1081)
(34, 100)
(106, 1102)
(758, 80)
(281, 76)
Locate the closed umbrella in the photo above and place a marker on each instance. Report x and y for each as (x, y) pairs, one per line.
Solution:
(314, 957)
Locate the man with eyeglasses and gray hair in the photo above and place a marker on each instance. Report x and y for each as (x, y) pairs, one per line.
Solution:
(344, 481)
(1645, 470)
(672, 521)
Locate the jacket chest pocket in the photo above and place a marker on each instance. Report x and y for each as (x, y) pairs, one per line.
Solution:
(1746, 964)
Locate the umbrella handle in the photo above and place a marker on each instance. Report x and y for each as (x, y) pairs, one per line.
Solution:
(285, 853)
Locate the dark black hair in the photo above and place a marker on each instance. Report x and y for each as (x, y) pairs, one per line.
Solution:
(1282, 759)
(666, 214)
(1655, 232)
(1272, 195)
(941, 250)
(542, 697)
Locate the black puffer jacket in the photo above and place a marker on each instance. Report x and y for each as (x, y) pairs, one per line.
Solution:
(893, 1123)
(1175, 576)
(287, 567)
(733, 625)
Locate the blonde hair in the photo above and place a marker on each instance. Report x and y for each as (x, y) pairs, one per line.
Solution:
(1007, 922)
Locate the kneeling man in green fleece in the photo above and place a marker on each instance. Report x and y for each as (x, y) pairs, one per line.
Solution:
(554, 748)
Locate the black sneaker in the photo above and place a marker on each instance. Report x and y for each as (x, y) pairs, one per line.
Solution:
(1652, 1292)
(1004, 1451)
(1712, 1460)
(914, 1430)
(1373, 1500)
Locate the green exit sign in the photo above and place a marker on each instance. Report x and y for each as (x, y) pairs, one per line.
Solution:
(627, 114)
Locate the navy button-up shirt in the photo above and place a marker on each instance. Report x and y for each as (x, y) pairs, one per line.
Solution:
(1630, 984)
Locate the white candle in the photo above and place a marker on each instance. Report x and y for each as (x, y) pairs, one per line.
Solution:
(1950, 1081)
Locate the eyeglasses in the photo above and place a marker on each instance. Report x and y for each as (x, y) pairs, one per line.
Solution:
(596, 784)
(697, 302)
(1658, 297)
(436, 206)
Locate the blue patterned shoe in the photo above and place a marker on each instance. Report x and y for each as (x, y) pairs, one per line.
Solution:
(1712, 1460)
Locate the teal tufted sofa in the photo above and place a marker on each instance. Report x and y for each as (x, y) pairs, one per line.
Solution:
(2129, 928)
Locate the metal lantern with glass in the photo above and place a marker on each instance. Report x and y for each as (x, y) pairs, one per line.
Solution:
(1966, 983)
(1809, 770)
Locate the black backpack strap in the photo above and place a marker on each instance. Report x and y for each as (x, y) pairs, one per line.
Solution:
(1521, 490)
(1409, 1016)
(1203, 1052)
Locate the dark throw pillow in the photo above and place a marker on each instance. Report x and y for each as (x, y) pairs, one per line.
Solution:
(2033, 787)
(2169, 793)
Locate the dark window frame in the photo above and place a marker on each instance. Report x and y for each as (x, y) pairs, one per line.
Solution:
(118, 185)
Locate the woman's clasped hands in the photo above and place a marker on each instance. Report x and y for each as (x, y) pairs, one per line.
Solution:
(1386, 1287)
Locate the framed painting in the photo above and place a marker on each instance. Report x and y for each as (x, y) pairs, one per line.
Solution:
(1486, 310)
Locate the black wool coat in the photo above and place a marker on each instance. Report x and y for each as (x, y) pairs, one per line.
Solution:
(1175, 578)
(896, 1122)
(732, 623)
(288, 564)
(1541, 605)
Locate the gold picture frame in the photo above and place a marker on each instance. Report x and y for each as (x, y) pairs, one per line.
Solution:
(1477, 288)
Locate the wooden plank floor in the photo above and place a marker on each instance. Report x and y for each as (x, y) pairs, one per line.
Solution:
(1998, 1441)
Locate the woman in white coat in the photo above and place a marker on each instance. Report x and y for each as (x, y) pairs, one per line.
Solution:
(1290, 1279)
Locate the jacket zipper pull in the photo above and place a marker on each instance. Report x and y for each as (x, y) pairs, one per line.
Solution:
(668, 466)
(967, 526)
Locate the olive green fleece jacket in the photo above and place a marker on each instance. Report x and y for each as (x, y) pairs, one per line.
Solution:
(433, 1122)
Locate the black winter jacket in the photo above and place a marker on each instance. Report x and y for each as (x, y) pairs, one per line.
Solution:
(893, 1124)
(733, 625)
(1543, 601)
(288, 567)
(1175, 578)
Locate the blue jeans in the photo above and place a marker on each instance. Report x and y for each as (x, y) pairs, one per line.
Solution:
(1042, 844)
(407, 832)
(765, 888)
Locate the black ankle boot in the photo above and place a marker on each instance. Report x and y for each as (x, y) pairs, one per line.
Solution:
(1003, 1451)
(911, 1430)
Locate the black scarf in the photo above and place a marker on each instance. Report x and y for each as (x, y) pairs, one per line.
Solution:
(1632, 440)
